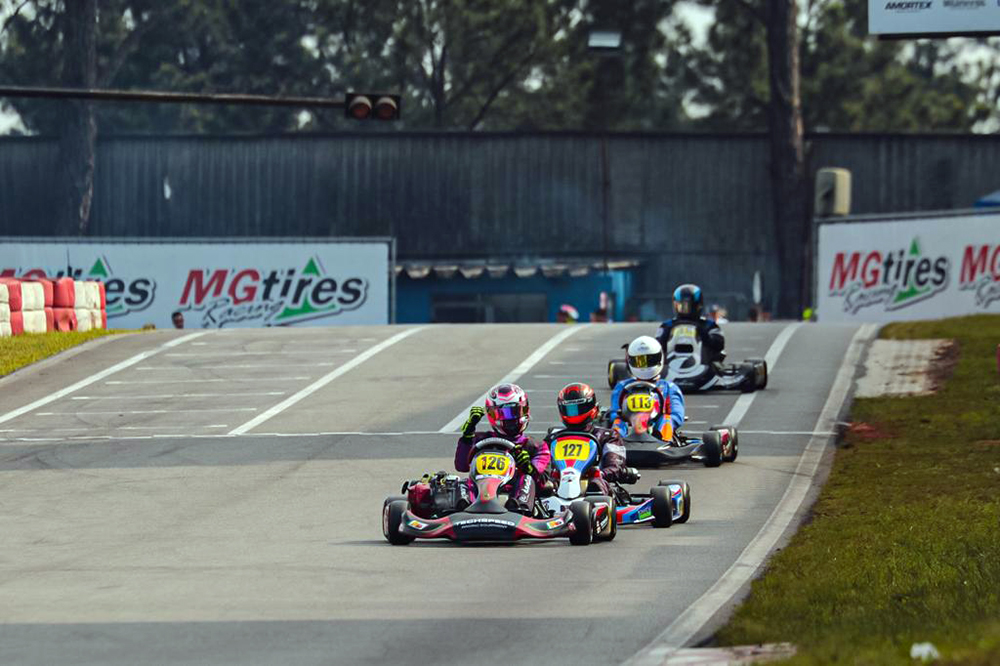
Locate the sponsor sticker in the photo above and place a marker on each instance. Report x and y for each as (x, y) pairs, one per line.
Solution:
(908, 5)
(417, 525)
(553, 524)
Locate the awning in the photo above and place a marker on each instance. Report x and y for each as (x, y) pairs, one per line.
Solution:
(549, 268)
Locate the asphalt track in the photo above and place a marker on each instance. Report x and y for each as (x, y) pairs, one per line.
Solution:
(215, 497)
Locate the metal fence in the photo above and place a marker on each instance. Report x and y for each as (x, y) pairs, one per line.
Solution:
(694, 207)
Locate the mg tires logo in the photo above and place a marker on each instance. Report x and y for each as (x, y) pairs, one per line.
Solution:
(892, 279)
(270, 297)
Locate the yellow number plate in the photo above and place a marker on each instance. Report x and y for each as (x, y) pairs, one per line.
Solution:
(684, 331)
(572, 449)
(492, 464)
(639, 402)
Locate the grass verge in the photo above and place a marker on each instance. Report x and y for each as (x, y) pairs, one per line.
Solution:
(903, 545)
(21, 350)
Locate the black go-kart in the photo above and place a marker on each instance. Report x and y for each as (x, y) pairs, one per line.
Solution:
(686, 367)
(640, 404)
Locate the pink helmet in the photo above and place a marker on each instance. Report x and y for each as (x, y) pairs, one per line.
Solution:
(507, 409)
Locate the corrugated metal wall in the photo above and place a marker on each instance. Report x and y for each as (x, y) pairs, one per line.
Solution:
(697, 207)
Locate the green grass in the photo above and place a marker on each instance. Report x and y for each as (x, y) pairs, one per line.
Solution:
(21, 350)
(903, 545)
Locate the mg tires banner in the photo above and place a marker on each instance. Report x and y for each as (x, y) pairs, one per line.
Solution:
(216, 284)
(904, 269)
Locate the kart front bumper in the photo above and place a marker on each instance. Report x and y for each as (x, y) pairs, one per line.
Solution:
(503, 527)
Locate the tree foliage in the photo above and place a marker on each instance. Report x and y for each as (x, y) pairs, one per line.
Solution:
(496, 64)
(850, 80)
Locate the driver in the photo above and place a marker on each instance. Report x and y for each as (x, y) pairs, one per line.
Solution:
(688, 308)
(578, 410)
(645, 363)
(507, 410)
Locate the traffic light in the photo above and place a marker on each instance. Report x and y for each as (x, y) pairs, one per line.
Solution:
(365, 106)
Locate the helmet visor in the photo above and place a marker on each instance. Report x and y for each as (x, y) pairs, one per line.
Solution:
(506, 412)
(575, 409)
(645, 360)
(682, 307)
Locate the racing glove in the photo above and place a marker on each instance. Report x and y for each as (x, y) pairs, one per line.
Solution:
(523, 460)
(475, 416)
(628, 475)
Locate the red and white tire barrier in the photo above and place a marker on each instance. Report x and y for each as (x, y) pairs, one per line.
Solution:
(64, 304)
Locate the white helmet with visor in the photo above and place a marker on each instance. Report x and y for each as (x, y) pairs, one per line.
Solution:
(645, 358)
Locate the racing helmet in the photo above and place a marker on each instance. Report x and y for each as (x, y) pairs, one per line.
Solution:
(507, 409)
(688, 302)
(645, 358)
(577, 404)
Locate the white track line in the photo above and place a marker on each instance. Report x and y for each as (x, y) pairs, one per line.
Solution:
(157, 382)
(323, 381)
(96, 377)
(149, 411)
(515, 374)
(690, 622)
(169, 395)
(246, 366)
(223, 352)
(742, 404)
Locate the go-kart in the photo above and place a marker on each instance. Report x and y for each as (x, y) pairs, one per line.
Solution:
(641, 403)
(452, 514)
(575, 463)
(685, 366)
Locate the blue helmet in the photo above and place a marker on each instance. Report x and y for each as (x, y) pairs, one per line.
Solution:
(688, 301)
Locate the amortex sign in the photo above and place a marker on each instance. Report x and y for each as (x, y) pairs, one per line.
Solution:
(217, 284)
(917, 268)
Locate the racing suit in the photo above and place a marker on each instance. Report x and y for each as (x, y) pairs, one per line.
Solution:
(711, 337)
(671, 414)
(522, 487)
(612, 455)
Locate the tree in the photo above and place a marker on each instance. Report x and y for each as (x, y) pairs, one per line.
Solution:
(850, 81)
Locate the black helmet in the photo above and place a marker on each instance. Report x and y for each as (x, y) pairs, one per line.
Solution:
(687, 301)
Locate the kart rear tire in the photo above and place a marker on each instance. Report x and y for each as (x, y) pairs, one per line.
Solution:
(663, 508)
(685, 494)
(749, 372)
(762, 376)
(617, 371)
(584, 532)
(711, 449)
(612, 530)
(392, 517)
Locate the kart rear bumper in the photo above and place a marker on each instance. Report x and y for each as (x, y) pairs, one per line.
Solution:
(651, 455)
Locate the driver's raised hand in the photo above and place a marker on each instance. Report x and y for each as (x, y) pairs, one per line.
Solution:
(476, 414)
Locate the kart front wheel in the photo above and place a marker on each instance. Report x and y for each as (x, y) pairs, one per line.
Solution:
(663, 509)
(584, 527)
(392, 518)
(759, 373)
(685, 499)
(729, 439)
(711, 449)
(609, 531)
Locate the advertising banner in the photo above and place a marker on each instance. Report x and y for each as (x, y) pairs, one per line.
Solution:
(923, 17)
(904, 269)
(216, 284)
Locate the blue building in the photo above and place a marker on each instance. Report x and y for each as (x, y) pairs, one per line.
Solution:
(512, 291)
